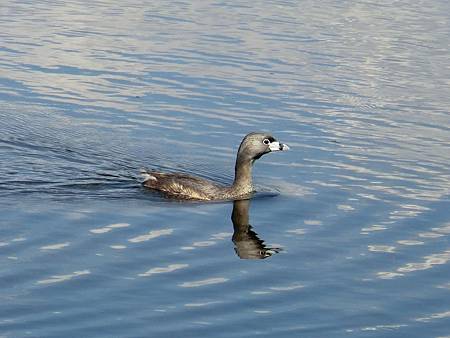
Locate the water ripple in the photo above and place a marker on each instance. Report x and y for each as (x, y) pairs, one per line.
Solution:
(92, 92)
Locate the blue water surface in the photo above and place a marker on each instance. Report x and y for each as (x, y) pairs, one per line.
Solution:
(348, 235)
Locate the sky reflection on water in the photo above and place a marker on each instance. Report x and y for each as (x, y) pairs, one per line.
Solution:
(353, 220)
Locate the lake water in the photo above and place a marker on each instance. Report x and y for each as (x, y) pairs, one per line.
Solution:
(353, 221)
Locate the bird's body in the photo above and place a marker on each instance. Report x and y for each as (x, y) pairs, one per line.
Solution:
(182, 186)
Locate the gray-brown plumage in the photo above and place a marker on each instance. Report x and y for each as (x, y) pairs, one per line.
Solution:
(182, 186)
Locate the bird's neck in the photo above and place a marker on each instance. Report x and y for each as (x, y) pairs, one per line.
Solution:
(243, 175)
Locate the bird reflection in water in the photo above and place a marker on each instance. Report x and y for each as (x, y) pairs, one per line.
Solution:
(247, 244)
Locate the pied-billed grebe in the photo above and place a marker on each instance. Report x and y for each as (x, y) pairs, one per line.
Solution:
(182, 186)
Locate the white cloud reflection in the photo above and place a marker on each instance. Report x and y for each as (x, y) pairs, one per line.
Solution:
(439, 315)
(151, 235)
(118, 247)
(279, 288)
(410, 242)
(382, 248)
(55, 246)
(201, 304)
(166, 269)
(108, 228)
(203, 282)
(63, 278)
(429, 262)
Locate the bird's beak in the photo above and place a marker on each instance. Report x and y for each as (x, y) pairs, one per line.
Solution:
(277, 146)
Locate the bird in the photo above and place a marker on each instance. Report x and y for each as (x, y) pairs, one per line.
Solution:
(187, 187)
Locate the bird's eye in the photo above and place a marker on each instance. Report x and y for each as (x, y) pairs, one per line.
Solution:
(266, 141)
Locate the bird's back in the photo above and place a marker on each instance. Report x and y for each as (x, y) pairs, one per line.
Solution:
(182, 186)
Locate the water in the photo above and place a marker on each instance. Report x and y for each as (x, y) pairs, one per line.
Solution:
(353, 221)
